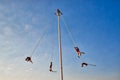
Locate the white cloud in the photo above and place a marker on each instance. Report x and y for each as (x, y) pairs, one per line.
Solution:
(7, 31)
(28, 70)
(27, 27)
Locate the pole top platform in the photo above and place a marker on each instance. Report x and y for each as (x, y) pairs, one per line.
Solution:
(58, 12)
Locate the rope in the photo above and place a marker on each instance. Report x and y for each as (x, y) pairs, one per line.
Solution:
(52, 55)
(53, 50)
(69, 32)
(38, 43)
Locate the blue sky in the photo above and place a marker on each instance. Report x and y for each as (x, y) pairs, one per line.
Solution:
(95, 28)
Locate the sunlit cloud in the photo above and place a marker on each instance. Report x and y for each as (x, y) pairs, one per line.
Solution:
(7, 31)
(27, 28)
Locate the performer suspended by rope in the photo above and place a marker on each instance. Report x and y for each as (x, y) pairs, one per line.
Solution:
(28, 59)
(85, 64)
(51, 68)
(78, 51)
(70, 34)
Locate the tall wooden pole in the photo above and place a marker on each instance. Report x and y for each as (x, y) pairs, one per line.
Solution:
(58, 13)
